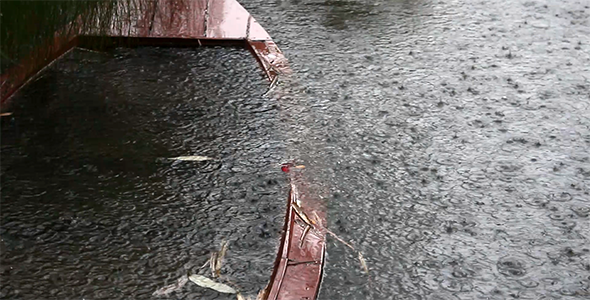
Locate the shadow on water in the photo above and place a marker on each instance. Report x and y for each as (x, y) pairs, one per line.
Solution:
(343, 14)
(92, 208)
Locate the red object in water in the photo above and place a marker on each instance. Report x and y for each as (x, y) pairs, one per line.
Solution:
(286, 167)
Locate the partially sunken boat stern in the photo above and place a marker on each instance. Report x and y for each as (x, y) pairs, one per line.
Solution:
(192, 23)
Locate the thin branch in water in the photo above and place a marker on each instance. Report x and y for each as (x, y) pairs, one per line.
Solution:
(273, 84)
(339, 239)
(304, 235)
(363, 263)
(216, 260)
(361, 258)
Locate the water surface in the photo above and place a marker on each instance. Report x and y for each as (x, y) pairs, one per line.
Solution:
(453, 139)
(91, 206)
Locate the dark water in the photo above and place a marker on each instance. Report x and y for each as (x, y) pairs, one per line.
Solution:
(91, 210)
(453, 138)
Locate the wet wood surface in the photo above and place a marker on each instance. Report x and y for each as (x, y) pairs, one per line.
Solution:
(299, 265)
(204, 21)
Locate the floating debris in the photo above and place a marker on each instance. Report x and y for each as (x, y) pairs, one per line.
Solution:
(339, 239)
(89, 50)
(286, 167)
(303, 235)
(205, 282)
(363, 263)
(299, 211)
(316, 219)
(208, 262)
(164, 291)
(6, 114)
(273, 84)
(216, 260)
(360, 255)
(192, 158)
(263, 294)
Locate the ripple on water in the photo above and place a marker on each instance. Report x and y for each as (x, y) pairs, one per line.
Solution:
(439, 295)
(557, 216)
(537, 200)
(528, 283)
(581, 211)
(407, 297)
(511, 266)
(561, 197)
(456, 285)
(415, 235)
(564, 224)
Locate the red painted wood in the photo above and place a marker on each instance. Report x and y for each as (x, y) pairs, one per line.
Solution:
(270, 57)
(228, 19)
(17, 76)
(299, 265)
(206, 21)
(132, 19)
(179, 18)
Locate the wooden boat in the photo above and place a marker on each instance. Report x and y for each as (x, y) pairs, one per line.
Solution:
(192, 23)
(172, 23)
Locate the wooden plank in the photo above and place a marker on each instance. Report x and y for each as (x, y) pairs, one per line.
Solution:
(14, 78)
(299, 264)
(162, 19)
(270, 58)
(179, 18)
(130, 19)
(227, 19)
(256, 32)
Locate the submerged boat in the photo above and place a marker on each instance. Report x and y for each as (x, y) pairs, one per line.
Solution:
(193, 23)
